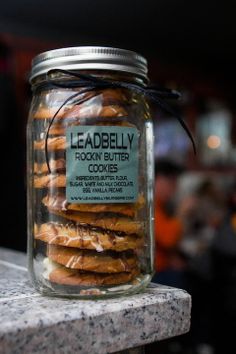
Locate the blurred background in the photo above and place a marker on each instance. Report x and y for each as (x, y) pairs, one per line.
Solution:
(190, 46)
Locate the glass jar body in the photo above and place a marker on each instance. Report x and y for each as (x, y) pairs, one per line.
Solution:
(90, 191)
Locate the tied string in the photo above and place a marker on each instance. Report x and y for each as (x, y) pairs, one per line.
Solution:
(91, 83)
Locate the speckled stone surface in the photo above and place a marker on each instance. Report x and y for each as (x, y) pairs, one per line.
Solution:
(31, 323)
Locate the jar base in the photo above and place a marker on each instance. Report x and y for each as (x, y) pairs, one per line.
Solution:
(48, 288)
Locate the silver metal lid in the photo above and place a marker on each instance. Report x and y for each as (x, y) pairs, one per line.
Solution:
(89, 58)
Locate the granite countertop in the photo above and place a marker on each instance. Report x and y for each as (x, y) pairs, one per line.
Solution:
(31, 323)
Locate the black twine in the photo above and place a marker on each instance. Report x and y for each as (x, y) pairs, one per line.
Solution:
(92, 83)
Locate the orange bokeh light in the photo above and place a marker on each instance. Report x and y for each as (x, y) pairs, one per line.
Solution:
(213, 142)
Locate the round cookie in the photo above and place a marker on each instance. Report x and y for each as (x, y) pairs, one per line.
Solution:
(55, 166)
(48, 112)
(95, 110)
(58, 202)
(85, 238)
(96, 100)
(102, 220)
(50, 181)
(65, 276)
(59, 127)
(56, 143)
(99, 262)
(81, 112)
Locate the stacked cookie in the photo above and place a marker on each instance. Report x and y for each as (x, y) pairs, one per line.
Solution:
(89, 244)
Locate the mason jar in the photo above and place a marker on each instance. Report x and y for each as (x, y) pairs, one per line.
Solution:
(90, 173)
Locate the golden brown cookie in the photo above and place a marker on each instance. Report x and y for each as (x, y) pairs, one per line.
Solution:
(57, 143)
(107, 222)
(94, 105)
(67, 276)
(59, 128)
(48, 112)
(58, 202)
(81, 112)
(55, 166)
(71, 235)
(56, 101)
(50, 181)
(95, 110)
(99, 262)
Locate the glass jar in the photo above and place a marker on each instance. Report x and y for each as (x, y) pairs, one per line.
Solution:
(90, 175)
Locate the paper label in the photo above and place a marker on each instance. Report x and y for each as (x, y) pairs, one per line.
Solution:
(101, 164)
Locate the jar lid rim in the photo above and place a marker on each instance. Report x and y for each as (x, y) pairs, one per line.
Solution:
(89, 58)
